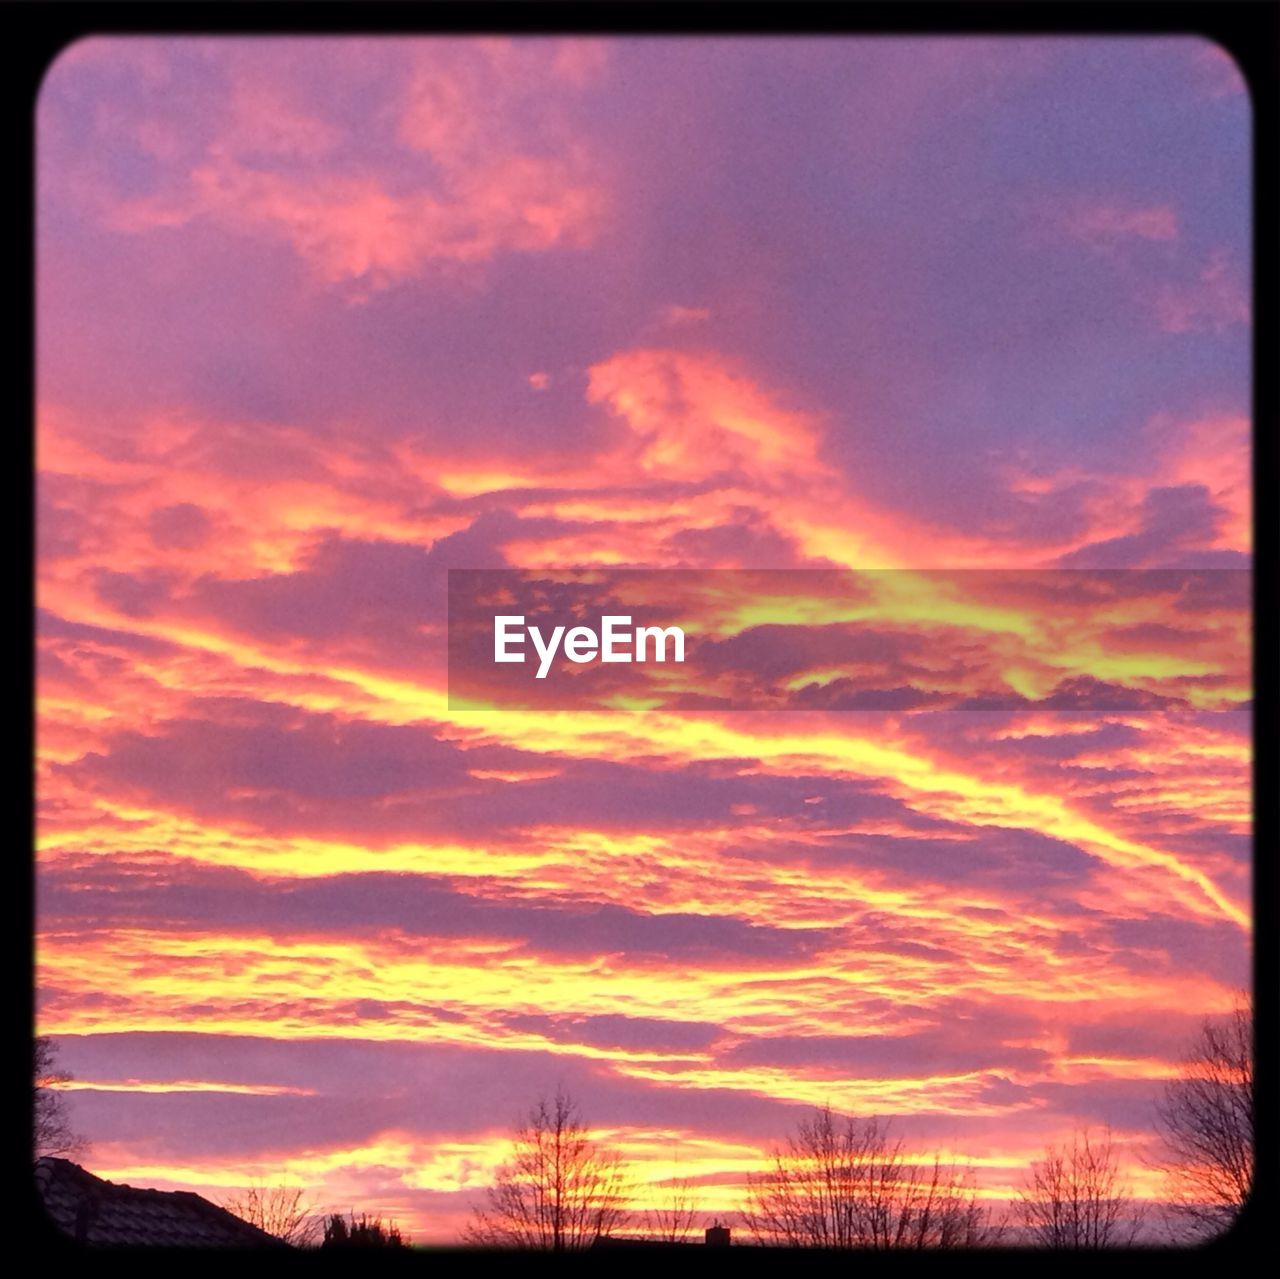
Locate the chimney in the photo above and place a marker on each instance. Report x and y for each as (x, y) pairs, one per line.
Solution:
(717, 1236)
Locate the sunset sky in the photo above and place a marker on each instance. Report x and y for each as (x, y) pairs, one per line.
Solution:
(319, 320)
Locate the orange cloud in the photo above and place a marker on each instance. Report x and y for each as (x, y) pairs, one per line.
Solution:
(692, 417)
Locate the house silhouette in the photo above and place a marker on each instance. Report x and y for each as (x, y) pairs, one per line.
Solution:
(97, 1213)
(716, 1236)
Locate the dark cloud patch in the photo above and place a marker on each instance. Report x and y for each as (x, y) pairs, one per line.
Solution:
(480, 544)
(83, 667)
(182, 526)
(1038, 867)
(375, 590)
(842, 695)
(1159, 943)
(1212, 840)
(1179, 527)
(134, 594)
(1221, 588)
(1122, 1104)
(389, 595)
(1166, 1036)
(1147, 635)
(777, 650)
(1083, 693)
(204, 764)
(180, 1125)
(410, 906)
(1002, 700)
(612, 1030)
(51, 667)
(999, 1090)
(366, 1087)
(257, 449)
(51, 626)
(1086, 693)
(887, 1056)
(1060, 514)
(1106, 739)
(388, 1009)
(292, 771)
(61, 526)
(746, 541)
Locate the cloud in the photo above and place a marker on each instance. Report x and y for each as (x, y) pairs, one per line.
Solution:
(675, 315)
(147, 895)
(944, 1050)
(1178, 527)
(692, 417)
(1100, 224)
(357, 230)
(1214, 301)
(453, 166)
(299, 918)
(1186, 501)
(183, 525)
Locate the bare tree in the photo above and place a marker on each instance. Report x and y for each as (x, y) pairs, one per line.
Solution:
(52, 1132)
(925, 1205)
(673, 1220)
(842, 1183)
(559, 1191)
(1205, 1120)
(279, 1210)
(1075, 1198)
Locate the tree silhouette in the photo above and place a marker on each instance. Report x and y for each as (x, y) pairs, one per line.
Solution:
(1074, 1198)
(673, 1219)
(348, 1232)
(52, 1132)
(842, 1183)
(279, 1210)
(559, 1190)
(1205, 1120)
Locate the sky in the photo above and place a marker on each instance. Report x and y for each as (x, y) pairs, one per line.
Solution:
(320, 320)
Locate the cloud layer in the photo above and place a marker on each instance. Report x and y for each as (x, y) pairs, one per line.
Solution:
(321, 320)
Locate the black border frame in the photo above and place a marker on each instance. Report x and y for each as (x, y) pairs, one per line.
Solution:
(1248, 30)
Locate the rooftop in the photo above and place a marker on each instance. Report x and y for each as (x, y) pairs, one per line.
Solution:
(102, 1214)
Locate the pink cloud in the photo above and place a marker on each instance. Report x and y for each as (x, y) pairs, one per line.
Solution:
(694, 416)
(1103, 223)
(473, 156)
(676, 314)
(1210, 453)
(1215, 301)
(266, 121)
